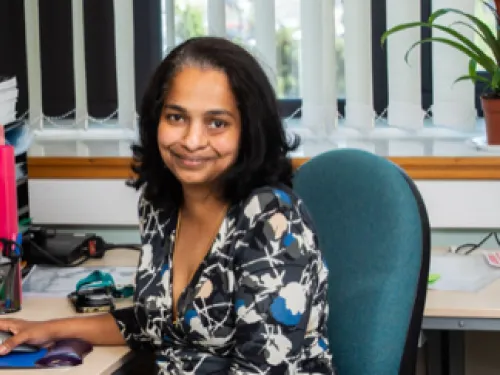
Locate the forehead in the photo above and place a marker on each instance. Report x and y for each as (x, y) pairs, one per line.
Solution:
(195, 87)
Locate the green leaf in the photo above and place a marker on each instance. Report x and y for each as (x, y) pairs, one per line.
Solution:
(482, 59)
(497, 18)
(487, 33)
(472, 67)
(495, 80)
(492, 9)
(474, 78)
(476, 31)
(403, 26)
(467, 42)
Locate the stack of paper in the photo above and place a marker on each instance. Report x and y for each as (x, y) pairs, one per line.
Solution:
(465, 273)
(8, 100)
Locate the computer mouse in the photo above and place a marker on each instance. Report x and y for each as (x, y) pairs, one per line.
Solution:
(23, 348)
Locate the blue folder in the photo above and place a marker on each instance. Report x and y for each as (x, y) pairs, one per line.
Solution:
(21, 360)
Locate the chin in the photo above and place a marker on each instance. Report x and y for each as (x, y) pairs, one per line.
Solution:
(193, 178)
(194, 182)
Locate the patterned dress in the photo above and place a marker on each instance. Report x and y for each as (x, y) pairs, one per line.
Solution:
(256, 305)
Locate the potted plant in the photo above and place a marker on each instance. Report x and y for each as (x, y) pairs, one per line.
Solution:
(490, 98)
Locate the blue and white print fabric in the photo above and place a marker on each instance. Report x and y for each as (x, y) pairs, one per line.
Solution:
(256, 305)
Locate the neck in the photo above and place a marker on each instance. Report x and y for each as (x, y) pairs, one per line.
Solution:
(201, 204)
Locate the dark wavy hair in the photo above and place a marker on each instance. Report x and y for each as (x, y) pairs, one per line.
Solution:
(263, 151)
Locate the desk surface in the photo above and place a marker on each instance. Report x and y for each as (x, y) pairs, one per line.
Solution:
(484, 303)
(102, 360)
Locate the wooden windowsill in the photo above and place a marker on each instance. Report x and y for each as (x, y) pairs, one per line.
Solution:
(419, 168)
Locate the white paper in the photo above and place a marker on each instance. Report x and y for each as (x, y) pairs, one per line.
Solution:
(8, 84)
(47, 281)
(466, 273)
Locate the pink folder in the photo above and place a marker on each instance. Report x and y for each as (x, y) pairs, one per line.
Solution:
(8, 194)
(9, 224)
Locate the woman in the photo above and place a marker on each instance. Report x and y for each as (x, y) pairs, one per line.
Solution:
(230, 278)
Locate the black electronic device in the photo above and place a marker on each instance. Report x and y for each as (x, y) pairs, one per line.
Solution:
(65, 247)
(98, 301)
(42, 246)
(45, 246)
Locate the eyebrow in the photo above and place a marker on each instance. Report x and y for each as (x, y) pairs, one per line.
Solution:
(213, 112)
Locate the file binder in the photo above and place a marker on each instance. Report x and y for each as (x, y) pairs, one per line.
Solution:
(8, 194)
(11, 290)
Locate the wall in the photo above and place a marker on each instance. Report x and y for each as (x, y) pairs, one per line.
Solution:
(451, 204)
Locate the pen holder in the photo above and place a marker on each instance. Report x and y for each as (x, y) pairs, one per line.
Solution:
(10, 278)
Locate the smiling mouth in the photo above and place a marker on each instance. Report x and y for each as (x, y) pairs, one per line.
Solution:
(190, 159)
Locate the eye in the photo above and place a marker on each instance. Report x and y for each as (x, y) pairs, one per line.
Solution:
(175, 117)
(217, 124)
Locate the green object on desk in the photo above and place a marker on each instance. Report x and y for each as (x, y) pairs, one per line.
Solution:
(25, 222)
(433, 277)
(103, 280)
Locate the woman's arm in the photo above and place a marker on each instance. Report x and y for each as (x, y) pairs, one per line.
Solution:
(119, 327)
(97, 330)
(131, 329)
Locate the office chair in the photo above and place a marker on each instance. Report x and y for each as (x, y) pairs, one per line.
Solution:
(374, 232)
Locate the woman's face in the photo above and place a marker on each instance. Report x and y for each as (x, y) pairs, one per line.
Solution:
(200, 126)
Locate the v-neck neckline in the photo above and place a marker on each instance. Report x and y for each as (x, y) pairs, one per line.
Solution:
(178, 318)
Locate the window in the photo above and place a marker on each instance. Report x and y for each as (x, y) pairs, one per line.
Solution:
(93, 67)
(191, 20)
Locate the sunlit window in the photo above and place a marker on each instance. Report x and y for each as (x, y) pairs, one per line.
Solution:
(191, 20)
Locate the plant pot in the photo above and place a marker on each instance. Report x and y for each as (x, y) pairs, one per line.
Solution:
(491, 110)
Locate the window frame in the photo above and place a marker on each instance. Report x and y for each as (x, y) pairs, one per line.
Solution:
(418, 168)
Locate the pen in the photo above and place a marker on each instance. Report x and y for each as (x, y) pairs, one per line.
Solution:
(18, 245)
(8, 290)
(2, 288)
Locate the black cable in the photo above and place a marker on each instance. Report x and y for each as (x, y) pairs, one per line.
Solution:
(56, 261)
(114, 246)
(474, 246)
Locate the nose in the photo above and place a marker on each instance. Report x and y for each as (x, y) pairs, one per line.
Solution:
(195, 137)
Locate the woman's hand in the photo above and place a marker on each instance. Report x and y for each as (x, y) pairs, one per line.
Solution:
(26, 332)
(95, 329)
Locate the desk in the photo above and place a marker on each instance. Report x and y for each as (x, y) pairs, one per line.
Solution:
(457, 312)
(102, 360)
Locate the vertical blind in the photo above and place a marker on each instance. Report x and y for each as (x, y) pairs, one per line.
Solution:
(453, 105)
(404, 80)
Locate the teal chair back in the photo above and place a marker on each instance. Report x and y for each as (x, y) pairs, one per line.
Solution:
(374, 233)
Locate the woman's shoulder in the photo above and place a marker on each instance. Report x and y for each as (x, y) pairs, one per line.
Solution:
(276, 215)
(268, 200)
(147, 207)
(153, 220)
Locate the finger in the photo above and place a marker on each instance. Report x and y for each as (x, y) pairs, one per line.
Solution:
(8, 325)
(12, 342)
(48, 344)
